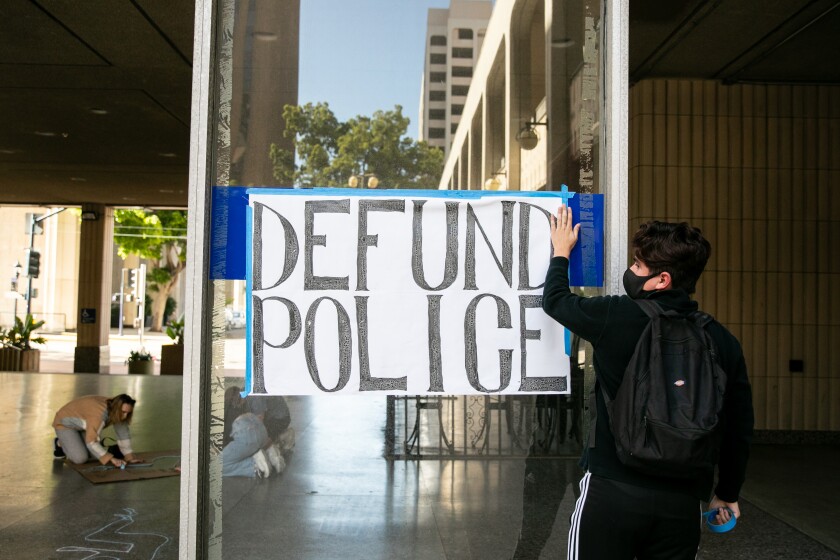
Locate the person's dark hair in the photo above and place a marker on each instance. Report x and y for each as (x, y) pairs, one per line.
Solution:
(676, 248)
(115, 409)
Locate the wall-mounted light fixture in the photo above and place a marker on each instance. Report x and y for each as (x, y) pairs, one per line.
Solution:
(494, 183)
(363, 180)
(527, 137)
(89, 215)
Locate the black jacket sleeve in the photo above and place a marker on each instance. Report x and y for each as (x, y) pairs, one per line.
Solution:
(738, 420)
(584, 316)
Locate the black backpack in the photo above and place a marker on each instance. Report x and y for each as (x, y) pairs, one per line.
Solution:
(665, 417)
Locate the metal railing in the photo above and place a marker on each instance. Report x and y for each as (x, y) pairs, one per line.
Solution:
(469, 427)
(53, 322)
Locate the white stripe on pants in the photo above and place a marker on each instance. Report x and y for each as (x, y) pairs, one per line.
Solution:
(574, 529)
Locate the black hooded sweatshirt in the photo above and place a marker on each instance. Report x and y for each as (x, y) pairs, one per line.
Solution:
(614, 324)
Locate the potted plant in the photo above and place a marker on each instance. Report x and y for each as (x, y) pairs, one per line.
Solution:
(140, 361)
(19, 340)
(9, 355)
(172, 355)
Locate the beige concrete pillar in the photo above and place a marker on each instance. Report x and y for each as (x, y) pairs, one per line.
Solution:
(94, 318)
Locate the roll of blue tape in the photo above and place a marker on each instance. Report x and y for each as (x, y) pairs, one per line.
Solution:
(714, 527)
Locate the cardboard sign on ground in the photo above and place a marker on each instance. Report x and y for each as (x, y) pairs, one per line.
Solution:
(156, 464)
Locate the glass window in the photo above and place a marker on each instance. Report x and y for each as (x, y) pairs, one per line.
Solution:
(373, 476)
(437, 77)
(462, 71)
(459, 90)
(437, 58)
(462, 52)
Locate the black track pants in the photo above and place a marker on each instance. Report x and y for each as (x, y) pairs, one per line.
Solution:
(617, 521)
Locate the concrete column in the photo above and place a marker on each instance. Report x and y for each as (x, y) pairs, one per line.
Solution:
(94, 319)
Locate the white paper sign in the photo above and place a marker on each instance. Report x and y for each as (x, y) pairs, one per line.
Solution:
(401, 292)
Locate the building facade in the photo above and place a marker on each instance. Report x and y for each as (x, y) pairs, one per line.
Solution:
(453, 42)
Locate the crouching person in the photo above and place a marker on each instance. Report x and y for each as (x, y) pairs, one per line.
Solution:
(79, 424)
(248, 449)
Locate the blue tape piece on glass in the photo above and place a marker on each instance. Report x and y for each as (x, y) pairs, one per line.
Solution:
(249, 219)
(227, 233)
(709, 516)
(586, 263)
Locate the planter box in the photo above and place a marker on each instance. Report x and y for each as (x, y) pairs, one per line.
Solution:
(172, 359)
(146, 367)
(30, 360)
(9, 359)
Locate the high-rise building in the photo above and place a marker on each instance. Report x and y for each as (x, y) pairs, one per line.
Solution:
(453, 41)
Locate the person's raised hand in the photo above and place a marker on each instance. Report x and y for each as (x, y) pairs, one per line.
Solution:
(564, 235)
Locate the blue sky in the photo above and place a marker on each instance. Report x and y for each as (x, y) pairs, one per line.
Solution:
(363, 55)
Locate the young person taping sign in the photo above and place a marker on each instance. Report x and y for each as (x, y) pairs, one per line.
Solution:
(412, 292)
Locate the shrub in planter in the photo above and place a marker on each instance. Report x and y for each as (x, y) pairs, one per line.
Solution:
(141, 362)
(19, 340)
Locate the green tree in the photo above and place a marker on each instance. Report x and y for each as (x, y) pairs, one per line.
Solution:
(329, 151)
(160, 237)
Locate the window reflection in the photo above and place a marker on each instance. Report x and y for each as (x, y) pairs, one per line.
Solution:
(303, 90)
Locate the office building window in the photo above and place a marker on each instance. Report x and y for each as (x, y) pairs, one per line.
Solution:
(460, 90)
(437, 95)
(453, 127)
(437, 114)
(437, 133)
(437, 58)
(438, 40)
(462, 52)
(457, 109)
(462, 72)
(437, 77)
(465, 33)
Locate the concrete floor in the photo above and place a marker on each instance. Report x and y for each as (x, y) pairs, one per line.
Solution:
(338, 497)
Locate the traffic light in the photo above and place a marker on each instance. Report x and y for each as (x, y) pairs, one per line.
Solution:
(137, 282)
(33, 263)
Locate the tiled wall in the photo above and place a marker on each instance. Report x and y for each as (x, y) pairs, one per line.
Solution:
(757, 168)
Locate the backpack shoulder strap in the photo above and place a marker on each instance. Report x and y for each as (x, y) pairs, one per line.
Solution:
(651, 308)
(701, 319)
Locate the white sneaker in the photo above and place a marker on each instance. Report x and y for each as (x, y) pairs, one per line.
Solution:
(261, 467)
(275, 458)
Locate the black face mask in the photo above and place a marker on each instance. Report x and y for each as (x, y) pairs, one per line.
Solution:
(633, 284)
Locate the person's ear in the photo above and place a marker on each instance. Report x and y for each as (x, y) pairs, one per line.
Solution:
(664, 281)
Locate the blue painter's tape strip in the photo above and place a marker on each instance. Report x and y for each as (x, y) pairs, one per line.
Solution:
(249, 218)
(586, 263)
(567, 334)
(227, 233)
(469, 195)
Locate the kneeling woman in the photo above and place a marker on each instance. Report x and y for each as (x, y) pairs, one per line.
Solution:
(79, 424)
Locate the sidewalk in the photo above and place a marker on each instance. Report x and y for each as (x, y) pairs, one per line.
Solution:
(58, 352)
